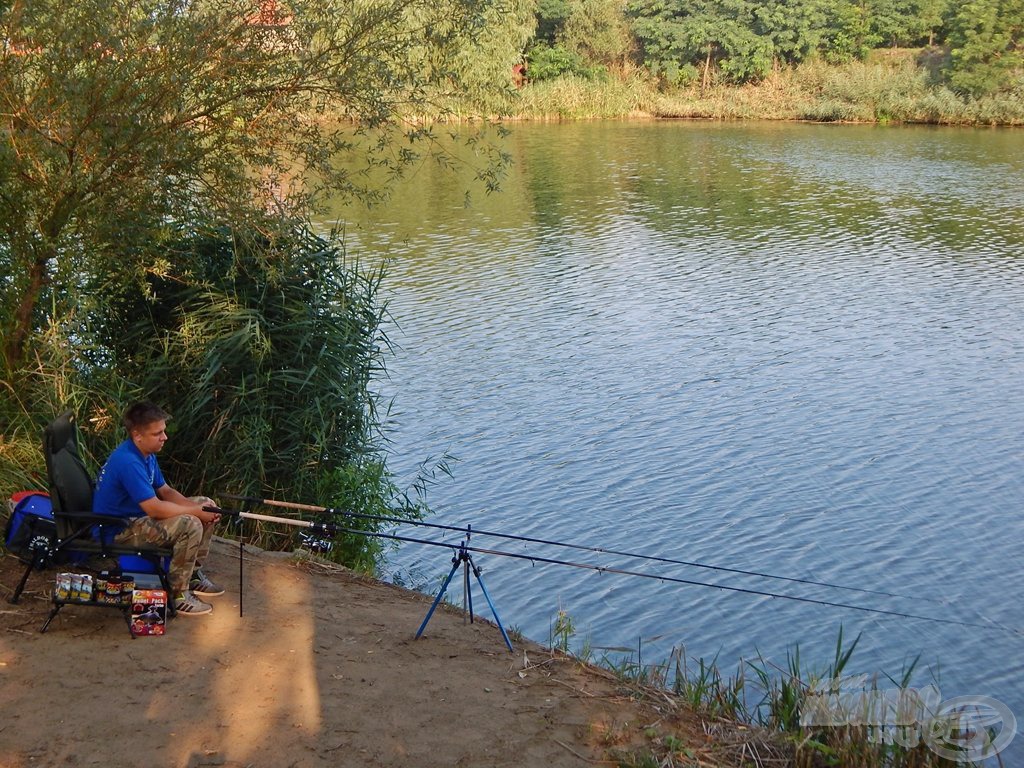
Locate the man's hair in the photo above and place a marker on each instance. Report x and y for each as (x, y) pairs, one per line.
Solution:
(143, 413)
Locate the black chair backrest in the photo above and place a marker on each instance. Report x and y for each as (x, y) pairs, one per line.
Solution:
(71, 486)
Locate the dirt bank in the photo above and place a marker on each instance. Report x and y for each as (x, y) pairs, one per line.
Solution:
(322, 670)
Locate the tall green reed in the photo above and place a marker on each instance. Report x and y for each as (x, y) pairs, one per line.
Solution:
(775, 699)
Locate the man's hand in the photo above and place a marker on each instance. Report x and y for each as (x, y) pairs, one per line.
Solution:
(207, 518)
(169, 503)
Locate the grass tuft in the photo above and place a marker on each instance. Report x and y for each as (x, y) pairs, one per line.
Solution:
(768, 703)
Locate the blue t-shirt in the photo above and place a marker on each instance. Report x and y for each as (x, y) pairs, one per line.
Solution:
(126, 480)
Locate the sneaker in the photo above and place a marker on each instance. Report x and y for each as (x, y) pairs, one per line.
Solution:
(201, 585)
(188, 604)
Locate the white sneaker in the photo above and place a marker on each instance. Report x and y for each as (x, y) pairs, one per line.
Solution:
(201, 585)
(188, 604)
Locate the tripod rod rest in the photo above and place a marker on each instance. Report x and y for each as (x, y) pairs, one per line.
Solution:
(461, 555)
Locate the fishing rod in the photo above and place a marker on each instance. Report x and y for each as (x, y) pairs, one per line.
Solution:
(314, 539)
(331, 511)
(334, 528)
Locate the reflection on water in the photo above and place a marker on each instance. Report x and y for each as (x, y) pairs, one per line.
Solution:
(785, 348)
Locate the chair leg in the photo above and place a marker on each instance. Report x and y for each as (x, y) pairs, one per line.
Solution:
(21, 584)
(41, 554)
(53, 612)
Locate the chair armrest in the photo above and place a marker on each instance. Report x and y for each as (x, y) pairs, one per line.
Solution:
(92, 518)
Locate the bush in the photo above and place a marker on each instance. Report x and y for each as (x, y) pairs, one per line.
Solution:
(265, 347)
(550, 62)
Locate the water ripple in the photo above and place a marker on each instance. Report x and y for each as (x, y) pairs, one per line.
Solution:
(791, 349)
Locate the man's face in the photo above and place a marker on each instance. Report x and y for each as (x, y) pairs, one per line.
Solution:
(150, 438)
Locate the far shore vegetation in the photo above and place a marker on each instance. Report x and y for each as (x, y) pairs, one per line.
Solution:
(889, 86)
(875, 61)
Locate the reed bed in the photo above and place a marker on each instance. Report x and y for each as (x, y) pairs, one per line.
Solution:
(756, 716)
(577, 98)
(902, 88)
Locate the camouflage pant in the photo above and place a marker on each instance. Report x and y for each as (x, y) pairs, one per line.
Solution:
(189, 538)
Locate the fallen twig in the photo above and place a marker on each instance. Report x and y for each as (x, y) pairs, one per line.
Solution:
(581, 757)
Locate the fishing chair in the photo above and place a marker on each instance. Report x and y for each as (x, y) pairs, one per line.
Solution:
(80, 532)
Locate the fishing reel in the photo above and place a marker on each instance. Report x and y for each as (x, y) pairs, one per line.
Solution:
(318, 543)
(318, 538)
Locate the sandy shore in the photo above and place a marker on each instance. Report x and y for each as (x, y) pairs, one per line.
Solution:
(322, 670)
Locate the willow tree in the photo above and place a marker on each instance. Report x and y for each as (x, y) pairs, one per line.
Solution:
(599, 31)
(117, 116)
(486, 60)
(159, 162)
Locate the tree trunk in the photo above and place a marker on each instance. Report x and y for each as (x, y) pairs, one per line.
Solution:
(15, 347)
(42, 252)
(707, 73)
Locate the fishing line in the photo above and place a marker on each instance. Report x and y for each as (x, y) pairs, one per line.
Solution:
(334, 528)
(529, 539)
(676, 580)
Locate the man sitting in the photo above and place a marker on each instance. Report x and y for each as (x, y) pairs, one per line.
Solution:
(130, 485)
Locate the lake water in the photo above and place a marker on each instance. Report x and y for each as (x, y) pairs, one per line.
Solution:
(791, 349)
